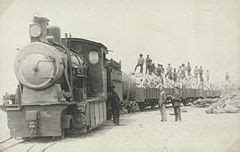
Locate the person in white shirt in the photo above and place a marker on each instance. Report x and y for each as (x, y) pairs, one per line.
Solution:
(162, 102)
(189, 69)
(140, 63)
(148, 65)
(196, 72)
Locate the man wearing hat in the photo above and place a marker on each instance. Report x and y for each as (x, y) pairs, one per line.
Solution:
(115, 104)
(140, 63)
(161, 102)
(176, 103)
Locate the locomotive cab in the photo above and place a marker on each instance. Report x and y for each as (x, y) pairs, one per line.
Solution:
(94, 54)
(101, 74)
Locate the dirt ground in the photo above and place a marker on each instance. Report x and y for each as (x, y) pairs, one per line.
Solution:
(144, 132)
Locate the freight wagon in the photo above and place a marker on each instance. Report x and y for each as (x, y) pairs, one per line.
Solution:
(150, 96)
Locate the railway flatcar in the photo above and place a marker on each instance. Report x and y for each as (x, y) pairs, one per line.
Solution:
(188, 93)
(150, 96)
(147, 97)
(63, 84)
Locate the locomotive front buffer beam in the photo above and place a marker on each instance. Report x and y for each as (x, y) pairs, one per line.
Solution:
(37, 120)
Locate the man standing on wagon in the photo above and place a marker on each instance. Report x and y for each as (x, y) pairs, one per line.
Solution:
(189, 69)
(160, 71)
(140, 63)
(169, 72)
(148, 65)
(201, 74)
(161, 102)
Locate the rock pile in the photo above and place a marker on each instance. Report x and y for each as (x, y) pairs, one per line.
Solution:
(229, 103)
(190, 82)
(153, 81)
(129, 106)
(145, 81)
(203, 103)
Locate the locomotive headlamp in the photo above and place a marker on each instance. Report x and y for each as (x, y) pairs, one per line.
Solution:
(35, 30)
(93, 57)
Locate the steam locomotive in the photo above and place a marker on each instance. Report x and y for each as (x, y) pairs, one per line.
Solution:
(63, 84)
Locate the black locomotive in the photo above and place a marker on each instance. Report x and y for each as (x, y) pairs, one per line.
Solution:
(63, 84)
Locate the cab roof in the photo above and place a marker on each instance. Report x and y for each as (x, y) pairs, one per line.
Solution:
(86, 41)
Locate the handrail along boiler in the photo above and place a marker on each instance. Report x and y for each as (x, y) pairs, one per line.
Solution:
(63, 84)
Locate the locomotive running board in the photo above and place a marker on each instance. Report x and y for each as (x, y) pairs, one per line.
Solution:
(10, 107)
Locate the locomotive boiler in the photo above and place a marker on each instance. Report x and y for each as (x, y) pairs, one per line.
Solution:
(63, 84)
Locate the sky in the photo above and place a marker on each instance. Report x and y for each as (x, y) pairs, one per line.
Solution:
(204, 32)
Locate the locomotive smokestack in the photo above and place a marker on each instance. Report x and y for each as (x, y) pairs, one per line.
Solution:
(38, 30)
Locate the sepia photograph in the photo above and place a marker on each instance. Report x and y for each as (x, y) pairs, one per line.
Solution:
(119, 76)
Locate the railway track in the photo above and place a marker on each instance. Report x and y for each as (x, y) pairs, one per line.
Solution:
(31, 145)
(41, 145)
(5, 140)
(9, 143)
(48, 146)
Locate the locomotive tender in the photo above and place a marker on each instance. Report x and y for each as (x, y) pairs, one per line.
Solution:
(63, 84)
